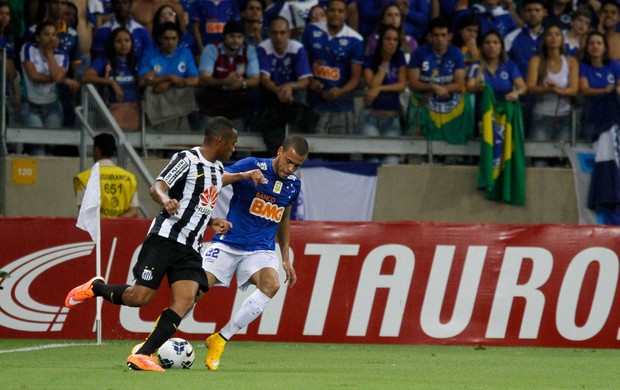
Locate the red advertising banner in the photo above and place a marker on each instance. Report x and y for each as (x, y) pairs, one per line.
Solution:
(390, 283)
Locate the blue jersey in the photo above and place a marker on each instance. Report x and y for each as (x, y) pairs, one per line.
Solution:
(256, 210)
(417, 18)
(123, 75)
(437, 69)
(141, 37)
(330, 59)
(212, 16)
(387, 100)
(497, 19)
(521, 45)
(291, 66)
(8, 43)
(180, 63)
(599, 110)
(502, 81)
(67, 40)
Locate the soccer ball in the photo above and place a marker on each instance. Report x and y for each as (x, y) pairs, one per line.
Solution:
(176, 353)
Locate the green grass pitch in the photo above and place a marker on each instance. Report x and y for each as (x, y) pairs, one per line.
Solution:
(36, 364)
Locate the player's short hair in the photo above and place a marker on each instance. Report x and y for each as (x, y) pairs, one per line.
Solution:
(106, 144)
(298, 143)
(219, 126)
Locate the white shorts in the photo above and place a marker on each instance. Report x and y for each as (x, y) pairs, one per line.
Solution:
(223, 261)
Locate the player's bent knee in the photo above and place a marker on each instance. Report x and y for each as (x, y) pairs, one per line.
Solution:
(270, 289)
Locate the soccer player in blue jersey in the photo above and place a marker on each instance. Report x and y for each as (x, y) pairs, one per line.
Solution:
(259, 214)
(187, 190)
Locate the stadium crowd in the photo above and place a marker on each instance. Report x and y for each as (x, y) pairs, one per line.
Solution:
(373, 67)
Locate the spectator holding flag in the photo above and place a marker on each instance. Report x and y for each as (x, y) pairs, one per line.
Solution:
(502, 156)
(437, 80)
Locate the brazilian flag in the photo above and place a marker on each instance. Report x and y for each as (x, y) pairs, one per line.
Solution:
(502, 155)
(450, 120)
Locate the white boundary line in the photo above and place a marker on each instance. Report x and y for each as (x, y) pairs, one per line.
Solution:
(46, 346)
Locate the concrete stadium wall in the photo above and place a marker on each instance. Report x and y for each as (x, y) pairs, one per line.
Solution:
(406, 192)
(448, 194)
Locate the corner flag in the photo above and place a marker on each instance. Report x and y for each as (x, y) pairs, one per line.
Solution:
(88, 218)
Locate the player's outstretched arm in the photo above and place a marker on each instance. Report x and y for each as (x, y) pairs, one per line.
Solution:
(255, 175)
(220, 225)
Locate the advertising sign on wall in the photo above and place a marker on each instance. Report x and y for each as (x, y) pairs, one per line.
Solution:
(389, 283)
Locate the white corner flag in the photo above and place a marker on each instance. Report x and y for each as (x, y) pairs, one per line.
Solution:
(88, 218)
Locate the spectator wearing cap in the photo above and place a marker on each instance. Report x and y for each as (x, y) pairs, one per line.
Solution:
(229, 77)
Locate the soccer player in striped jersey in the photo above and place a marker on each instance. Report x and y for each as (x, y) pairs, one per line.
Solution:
(187, 190)
(258, 213)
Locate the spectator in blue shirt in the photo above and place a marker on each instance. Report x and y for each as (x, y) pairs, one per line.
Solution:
(494, 16)
(558, 13)
(169, 65)
(209, 18)
(576, 35)
(385, 76)
(336, 55)
(496, 70)
(417, 18)
(142, 41)
(117, 73)
(285, 75)
(523, 43)
(599, 83)
(167, 14)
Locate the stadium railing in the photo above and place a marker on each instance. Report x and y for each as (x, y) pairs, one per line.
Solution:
(94, 117)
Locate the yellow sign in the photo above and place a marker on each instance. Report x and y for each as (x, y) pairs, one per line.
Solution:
(24, 171)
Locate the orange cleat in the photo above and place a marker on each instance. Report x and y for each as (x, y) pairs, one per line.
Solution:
(81, 293)
(143, 363)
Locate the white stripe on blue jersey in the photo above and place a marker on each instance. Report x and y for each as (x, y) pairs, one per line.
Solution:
(196, 184)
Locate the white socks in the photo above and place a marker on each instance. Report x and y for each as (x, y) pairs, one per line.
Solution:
(251, 308)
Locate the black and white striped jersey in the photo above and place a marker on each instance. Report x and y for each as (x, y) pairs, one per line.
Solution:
(196, 184)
